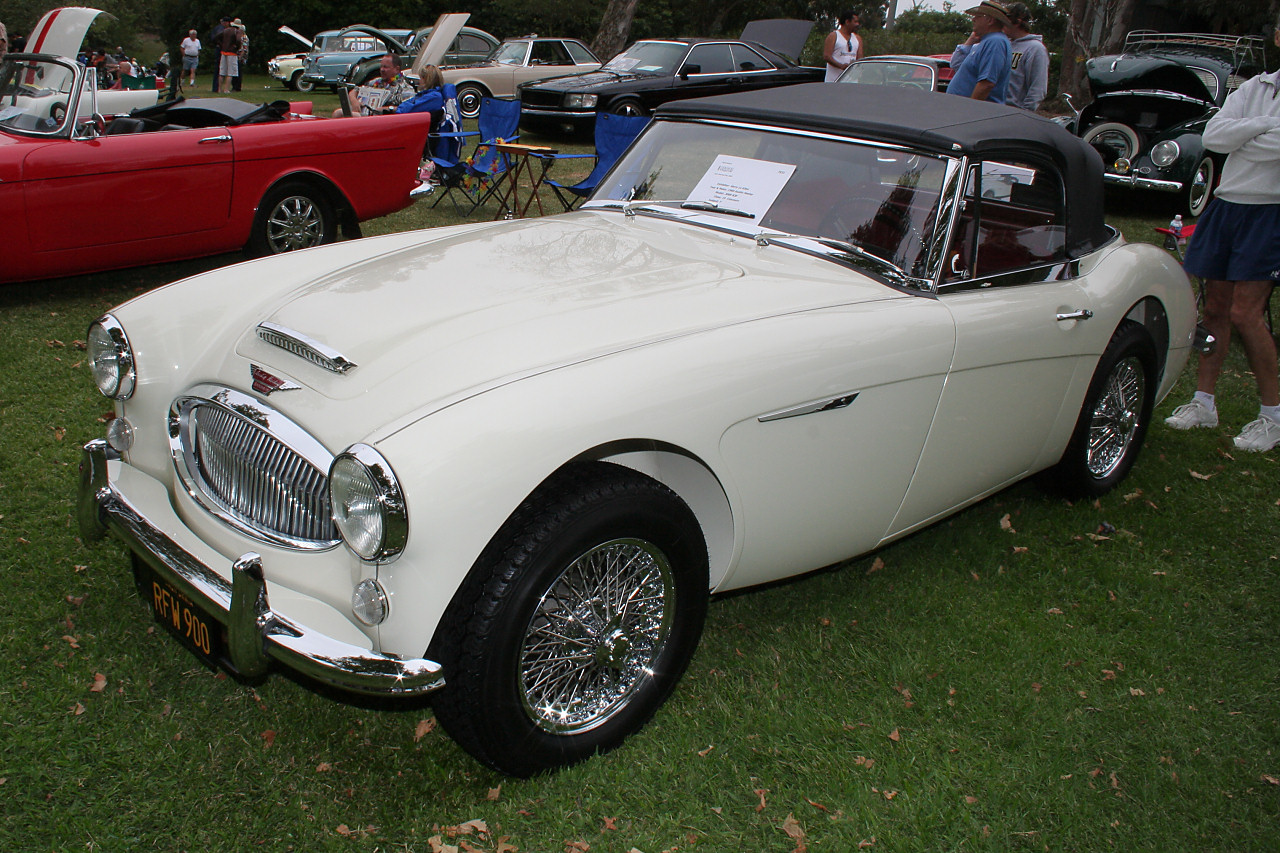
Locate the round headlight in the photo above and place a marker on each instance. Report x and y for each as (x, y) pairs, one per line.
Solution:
(111, 358)
(367, 504)
(1165, 153)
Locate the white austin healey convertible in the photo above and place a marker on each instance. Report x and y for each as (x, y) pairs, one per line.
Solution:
(507, 463)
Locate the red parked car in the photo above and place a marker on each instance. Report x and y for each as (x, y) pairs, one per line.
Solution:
(81, 191)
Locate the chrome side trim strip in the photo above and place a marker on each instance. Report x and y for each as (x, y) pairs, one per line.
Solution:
(255, 633)
(304, 347)
(827, 404)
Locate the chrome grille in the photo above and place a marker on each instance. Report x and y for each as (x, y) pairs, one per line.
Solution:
(236, 466)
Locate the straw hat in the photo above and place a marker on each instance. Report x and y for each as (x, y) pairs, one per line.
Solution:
(993, 9)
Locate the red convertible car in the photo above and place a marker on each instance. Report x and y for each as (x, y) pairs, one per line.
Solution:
(82, 190)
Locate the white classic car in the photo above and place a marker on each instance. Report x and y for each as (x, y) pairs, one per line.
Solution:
(506, 463)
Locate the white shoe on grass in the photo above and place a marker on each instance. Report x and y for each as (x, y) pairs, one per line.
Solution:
(1191, 415)
(1259, 435)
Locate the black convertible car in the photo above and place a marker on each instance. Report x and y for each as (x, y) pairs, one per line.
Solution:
(1151, 105)
(650, 73)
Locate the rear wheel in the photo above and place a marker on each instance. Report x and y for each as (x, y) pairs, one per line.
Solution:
(1113, 420)
(576, 622)
(293, 215)
(303, 85)
(1199, 190)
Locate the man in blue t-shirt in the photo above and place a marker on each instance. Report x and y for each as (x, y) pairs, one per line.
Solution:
(983, 62)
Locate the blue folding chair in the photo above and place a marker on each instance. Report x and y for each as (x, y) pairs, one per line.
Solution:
(499, 121)
(613, 134)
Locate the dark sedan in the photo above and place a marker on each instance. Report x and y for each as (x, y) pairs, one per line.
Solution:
(651, 73)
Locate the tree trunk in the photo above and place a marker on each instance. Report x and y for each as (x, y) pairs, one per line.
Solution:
(1094, 28)
(615, 28)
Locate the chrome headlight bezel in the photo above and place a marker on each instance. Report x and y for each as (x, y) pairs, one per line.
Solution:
(367, 504)
(581, 101)
(1165, 153)
(111, 358)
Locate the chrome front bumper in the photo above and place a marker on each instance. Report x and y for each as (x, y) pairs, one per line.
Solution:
(255, 634)
(1132, 180)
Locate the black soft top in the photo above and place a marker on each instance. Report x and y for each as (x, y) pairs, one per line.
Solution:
(945, 124)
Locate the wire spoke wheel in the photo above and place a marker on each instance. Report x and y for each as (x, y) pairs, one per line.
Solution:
(296, 222)
(595, 636)
(1116, 417)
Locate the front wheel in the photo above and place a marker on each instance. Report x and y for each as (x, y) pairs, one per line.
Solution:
(293, 215)
(1113, 420)
(627, 107)
(469, 97)
(1198, 191)
(292, 82)
(576, 622)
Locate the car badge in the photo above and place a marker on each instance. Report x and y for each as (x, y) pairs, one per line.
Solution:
(264, 383)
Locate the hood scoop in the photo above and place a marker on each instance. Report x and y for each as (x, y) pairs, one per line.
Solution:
(304, 347)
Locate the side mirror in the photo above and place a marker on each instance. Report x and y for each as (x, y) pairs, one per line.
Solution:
(688, 69)
(88, 128)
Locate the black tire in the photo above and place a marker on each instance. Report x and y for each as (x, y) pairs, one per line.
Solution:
(292, 82)
(1120, 139)
(1113, 419)
(1199, 190)
(303, 85)
(469, 97)
(293, 215)
(628, 107)
(542, 670)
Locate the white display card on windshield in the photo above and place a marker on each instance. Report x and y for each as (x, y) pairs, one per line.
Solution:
(742, 184)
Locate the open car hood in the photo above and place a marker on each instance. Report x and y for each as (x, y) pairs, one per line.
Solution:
(446, 29)
(289, 31)
(781, 35)
(61, 31)
(1109, 74)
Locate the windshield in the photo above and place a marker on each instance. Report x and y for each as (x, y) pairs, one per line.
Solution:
(510, 53)
(648, 57)
(864, 198)
(35, 94)
(879, 73)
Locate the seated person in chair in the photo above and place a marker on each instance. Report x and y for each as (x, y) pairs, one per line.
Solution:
(390, 78)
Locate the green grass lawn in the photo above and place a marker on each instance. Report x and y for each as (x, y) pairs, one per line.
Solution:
(1031, 674)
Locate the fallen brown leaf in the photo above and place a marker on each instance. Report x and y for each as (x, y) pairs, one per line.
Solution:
(894, 736)
(1197, 475)
(1006, 524)
(423, 728)
(760, 792)
(876, 565)
(268, 738)
(99, 683)
(493, 794)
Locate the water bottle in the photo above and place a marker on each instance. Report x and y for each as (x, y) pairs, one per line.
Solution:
(1176, 227)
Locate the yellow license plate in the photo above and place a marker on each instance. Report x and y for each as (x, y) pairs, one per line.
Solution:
(176, 612)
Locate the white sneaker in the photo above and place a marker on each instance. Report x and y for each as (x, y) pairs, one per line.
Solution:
(1191, 415)
(1262, 434)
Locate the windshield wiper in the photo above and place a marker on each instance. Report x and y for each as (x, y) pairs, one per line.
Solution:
(711, 207)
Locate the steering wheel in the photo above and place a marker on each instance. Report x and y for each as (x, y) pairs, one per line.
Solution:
(58, 112)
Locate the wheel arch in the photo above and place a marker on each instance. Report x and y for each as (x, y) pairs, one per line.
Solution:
(1149, 313)
(342, 208)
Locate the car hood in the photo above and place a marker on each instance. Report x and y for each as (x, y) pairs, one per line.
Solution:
(443, 32)
(1108, 74)
(591, 80)
(781, 35)
(299, 36)
(430, 322)
(61, 31)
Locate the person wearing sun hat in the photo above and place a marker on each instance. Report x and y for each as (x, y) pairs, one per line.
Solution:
(982, 64)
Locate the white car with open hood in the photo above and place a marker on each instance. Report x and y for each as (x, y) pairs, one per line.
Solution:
(507, 463)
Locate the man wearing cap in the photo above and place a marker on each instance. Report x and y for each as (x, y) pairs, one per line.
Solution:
(982, 64)
(1029, 79)
(228, 45)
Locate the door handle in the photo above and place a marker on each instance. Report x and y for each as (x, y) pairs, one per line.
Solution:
(1082, 314)
(226, 137)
